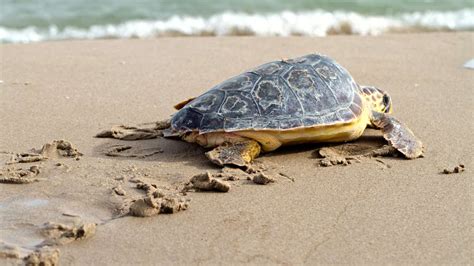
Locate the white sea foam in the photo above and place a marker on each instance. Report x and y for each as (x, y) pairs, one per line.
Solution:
(286, 23)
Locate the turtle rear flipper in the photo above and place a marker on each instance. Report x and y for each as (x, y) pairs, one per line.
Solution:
(180, 105)
(398, 135)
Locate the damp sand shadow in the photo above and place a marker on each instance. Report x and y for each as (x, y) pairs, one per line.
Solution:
(158, 149)
(370, 140)
(173, 150)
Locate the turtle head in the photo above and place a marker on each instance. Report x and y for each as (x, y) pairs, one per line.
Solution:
(377, 99)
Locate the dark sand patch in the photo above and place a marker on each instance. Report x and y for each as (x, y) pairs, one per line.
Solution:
(129, 151)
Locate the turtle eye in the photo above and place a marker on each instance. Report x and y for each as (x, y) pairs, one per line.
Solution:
(386, 103)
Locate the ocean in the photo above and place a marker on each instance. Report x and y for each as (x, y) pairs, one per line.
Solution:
(23, 21)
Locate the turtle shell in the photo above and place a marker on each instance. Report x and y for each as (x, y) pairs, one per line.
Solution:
(308, 91)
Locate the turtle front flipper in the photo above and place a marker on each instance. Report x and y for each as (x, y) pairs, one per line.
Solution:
(239, 153)
(398, 135)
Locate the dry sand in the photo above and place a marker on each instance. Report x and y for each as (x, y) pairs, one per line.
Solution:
(388, 210)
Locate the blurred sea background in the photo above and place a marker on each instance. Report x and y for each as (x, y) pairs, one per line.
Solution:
(23, 21)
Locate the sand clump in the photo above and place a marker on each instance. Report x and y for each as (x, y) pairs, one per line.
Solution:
(217, 182)
(167, 201)
(158, 204)
(456, 170)
(9, 251)
(263, 179)
(232, 174)
(331, 156)
(206, 182)
(26, 157)
(12, 175)
(56, 149)
(20, 175)
(60, 148)
(60, 234)
(157, 201)
(43, 257)
(256, 171)
(47, 252)
(119, 190)
(144, 208)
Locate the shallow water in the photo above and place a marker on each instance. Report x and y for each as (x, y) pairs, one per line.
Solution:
(31, 20)
(15, 229)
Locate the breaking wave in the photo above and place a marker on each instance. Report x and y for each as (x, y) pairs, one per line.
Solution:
(285, 23)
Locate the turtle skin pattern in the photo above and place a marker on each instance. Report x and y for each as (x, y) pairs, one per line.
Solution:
(303, 92)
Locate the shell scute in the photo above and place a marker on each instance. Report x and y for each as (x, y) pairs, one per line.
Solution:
(210, 122)
(314, 96)
(274, 98)
(272, 68)
(187, 119)
(208, 102)
(241, 82)
(346, 114)
(310, 59)
(355, 107)
(337, 80)
(238, 105)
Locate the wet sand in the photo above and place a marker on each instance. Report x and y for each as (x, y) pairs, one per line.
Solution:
(386, 210)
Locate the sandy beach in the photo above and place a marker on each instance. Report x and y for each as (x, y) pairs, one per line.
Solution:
(386, 210)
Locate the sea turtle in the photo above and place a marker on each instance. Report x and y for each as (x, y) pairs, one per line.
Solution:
(303, 100)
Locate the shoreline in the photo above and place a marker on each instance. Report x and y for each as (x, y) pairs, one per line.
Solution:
(344, 34)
